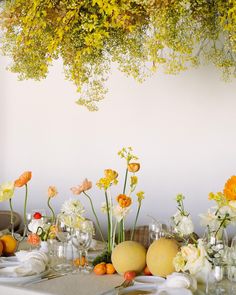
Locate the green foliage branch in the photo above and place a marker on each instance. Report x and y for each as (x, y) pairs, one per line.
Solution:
(140, 36)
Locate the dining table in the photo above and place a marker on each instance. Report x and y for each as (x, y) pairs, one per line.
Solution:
(78, 283)
(71, 284)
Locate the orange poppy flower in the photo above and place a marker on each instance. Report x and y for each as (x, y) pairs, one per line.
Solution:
(23, 179)
(133, 167)
(124, 201)
(52, 191)
(230, 189)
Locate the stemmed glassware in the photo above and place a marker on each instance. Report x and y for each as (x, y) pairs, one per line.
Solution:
(64, 235)
(82, 239)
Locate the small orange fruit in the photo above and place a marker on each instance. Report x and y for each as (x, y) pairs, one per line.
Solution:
(77, 261)
(146, 271)
(1, 247)
(100, 269)
(110, 269)
(9, 244)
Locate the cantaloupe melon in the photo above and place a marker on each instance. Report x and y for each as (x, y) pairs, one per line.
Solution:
(129, 256)
(160, 256)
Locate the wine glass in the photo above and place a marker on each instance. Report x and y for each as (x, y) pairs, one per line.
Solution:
(82, 240)
(64, 235)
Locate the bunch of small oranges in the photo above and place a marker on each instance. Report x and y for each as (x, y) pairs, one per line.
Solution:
(104, 268)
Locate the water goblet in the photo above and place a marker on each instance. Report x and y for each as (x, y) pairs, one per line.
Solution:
(64, 235)
(82, 240)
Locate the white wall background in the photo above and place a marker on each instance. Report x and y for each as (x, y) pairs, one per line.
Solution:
(182, 127)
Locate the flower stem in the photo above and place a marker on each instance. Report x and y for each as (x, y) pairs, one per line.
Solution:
(25, 204)
(12, 221)
(135, 222)
(95, 215)
(109, 246)
(52, 211)
(126, 175)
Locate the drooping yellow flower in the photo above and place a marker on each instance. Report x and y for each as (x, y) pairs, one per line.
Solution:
(140, 196)
(124, 201)
(52, 191)
(230, 188)
(6, 191)
(133, 181)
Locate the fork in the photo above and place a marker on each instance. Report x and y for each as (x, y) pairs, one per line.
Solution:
(125, 284)
(117, 289)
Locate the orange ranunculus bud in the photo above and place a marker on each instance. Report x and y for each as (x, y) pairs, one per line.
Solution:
(124, 201)
(133, 167)
(23, 179)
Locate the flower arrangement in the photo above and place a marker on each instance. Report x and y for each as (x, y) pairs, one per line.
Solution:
(198, 256)
(224, 213)
(141, 36)
(183, 224)
(7, 192)
(41, 227)
(116, 212)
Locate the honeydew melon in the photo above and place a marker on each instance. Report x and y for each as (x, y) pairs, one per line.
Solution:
(129, 256)
(160, 256)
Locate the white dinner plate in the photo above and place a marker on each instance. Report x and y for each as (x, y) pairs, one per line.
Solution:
(21, 280)
(149, 280)
(145, 288)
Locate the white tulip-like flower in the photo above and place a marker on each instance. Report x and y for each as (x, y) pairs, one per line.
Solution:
(120, 213)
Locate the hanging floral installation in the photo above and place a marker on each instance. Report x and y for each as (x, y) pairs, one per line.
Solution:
(140, 36)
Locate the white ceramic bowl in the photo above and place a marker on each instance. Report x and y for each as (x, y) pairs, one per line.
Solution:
(149, 280)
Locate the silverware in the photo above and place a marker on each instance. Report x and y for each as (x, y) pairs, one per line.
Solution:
(116, 290)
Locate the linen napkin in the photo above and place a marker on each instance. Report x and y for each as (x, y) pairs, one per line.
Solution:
(178, 284)
(34, 262)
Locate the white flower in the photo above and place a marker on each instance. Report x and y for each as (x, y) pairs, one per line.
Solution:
(198, 262)
(120, 213)
(35, 224)
(210, 219)
(184, 224)
(72, 207)
(104, 207)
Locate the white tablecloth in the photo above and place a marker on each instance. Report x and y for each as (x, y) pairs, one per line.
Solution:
(79, 284)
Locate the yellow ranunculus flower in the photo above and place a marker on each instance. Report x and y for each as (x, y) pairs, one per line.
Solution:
(104, 183)
(6, 191)
(110, 174)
